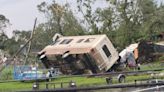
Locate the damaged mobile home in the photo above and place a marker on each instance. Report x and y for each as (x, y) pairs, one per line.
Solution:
(79, 54)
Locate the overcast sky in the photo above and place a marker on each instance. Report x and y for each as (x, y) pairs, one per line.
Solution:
(22, 13)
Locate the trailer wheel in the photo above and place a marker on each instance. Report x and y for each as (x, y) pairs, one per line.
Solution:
(121, 78)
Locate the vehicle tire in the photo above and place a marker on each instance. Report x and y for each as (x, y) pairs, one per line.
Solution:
(121, 78)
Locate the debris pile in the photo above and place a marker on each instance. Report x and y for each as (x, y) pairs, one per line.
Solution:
(148, 51)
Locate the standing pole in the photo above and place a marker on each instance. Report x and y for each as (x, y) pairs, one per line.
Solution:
(29, 47)
(29, 41)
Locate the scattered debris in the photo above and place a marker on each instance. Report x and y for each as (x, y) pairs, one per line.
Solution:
(129, 55)
(148, 51)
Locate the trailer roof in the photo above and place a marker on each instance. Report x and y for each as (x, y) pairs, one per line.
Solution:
(73, 44)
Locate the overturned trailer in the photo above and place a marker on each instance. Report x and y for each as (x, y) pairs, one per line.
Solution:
(80, 54)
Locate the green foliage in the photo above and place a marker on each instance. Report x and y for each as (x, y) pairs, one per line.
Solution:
(4, 22)
(19, 38)
(60, 20)
(7, 73)
(124, 21)
(11, 46)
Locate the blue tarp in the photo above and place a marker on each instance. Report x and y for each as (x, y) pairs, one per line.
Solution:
(27, 73)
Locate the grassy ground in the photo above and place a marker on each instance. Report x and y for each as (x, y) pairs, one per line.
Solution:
(80, 81)
(14, 86)
(153, 65)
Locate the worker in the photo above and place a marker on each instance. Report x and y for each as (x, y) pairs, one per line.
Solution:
(4, 60)
(138, 66)
(49, 74)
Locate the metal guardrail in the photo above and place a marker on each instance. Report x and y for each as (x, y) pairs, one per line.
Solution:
(74, 89)
(99, 74)
(116, 73)
(112, 73)
(48, 85)
(71, 84)
(151, 89)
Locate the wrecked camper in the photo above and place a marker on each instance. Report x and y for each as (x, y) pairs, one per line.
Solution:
(79, 54)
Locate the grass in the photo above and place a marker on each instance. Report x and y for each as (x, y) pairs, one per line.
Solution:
(153, 65)
(13, 86)
(80, 81)
(83, 80)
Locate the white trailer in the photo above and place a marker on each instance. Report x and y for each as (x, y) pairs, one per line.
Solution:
(75, 54)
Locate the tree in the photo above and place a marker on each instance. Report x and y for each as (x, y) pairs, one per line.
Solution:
(91, 18)
(41, 38)
(3, 24)
(124, 21)
(60, 20)
(152, 18)
(119, 20)
(12, 45)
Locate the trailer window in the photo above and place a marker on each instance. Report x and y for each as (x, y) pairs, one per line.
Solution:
(80, 40)
(106, 51)
(66, 41)
(89, 39)
(55, 42)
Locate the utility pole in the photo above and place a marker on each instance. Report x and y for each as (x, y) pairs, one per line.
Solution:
(29, 47)
(29, 41)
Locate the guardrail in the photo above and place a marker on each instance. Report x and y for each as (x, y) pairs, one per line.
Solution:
(74, 89)
(99, 74)
(70, 84)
